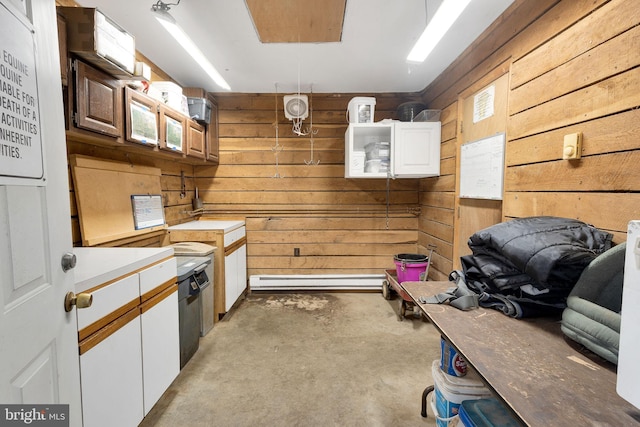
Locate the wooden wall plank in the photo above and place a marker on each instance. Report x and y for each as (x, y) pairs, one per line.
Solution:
(598, 26)
(302, 184)
(613, 56)
(327, 198)
(314, 249)
(268, 170)
(592, 208)
(619, 132)
(605, 172)
(285, 157)
(440, 199)
(297, 143)
(615, 94)
(437, 214)
(279, 224)
(336, 236)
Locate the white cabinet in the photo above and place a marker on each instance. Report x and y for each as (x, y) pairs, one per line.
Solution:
(160, 345)
(159, 322)
(235, 266)
(416, 151)
(396, 149)
(111, 377)
(128, 338)
(110, 355)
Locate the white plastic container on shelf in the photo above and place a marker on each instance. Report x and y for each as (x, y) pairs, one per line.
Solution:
(361, 109)
(377, 150)
(168, 93)
(451, 391)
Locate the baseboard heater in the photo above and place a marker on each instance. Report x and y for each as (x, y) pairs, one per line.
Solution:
(324, 282)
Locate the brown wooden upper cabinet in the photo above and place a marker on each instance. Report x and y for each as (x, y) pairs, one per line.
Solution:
(196, 142)
(141, 118)
(212, 132)
(62, 46)
(173, 130)
(98, 101)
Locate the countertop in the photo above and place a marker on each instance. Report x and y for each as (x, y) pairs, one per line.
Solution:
(206, 224)
(95, 266)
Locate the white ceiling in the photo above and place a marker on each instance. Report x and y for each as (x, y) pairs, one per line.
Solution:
(376, 38)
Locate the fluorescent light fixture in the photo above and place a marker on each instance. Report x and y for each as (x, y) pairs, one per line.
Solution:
(443, 19)
(161, 13)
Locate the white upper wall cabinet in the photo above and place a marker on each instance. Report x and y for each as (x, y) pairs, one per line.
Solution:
(397, 149)
(416, 153)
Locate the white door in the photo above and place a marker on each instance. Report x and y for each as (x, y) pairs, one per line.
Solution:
(38, 339)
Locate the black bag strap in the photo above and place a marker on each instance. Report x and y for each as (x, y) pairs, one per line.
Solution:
(460, 296)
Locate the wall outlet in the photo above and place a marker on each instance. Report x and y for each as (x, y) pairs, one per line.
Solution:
(572, 148)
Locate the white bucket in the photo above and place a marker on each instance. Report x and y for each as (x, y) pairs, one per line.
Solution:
(361, 109)
(451, 391)
(442, 421)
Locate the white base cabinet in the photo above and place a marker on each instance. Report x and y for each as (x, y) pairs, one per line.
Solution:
(413, 150)
(129, 339)
(235, 266)
(160, 346)
(111, 379)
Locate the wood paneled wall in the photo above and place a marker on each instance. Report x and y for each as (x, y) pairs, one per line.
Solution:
(338, 225)
(574, 67)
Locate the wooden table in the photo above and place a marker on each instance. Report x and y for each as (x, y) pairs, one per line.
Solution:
(545, 379)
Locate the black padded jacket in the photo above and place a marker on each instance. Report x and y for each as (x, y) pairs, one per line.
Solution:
(546, 252)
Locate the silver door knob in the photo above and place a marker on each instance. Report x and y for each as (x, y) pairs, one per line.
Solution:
(68, 261)
(82, 300)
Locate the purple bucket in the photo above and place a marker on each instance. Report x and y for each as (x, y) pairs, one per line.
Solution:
(411, 267)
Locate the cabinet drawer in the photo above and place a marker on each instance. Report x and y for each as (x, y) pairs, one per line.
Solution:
(157, 275)
(109, 302)
(233, 236)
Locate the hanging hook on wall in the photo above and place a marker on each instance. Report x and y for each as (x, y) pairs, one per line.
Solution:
(311, 132)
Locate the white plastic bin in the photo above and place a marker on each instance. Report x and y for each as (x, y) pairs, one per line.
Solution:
(361, 109)
(169, 93)
(451, 391)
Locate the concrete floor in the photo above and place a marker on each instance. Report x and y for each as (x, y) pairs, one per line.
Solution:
(306, 359)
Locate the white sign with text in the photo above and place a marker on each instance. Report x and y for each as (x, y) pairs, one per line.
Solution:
(20, 134)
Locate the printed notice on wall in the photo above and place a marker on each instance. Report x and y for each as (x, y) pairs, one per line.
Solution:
(147, 211)
(483, 103)
(482, 168)
(20, 136)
